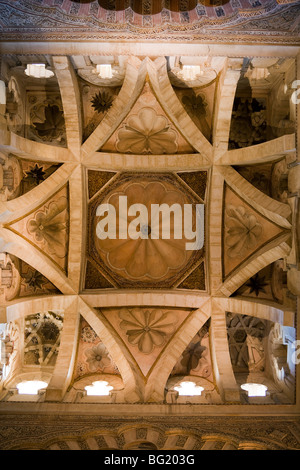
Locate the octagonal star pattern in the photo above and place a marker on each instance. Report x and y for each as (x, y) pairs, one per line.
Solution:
(140, 318)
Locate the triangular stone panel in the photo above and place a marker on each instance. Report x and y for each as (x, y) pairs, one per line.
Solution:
(147, 130)
(33, 283)
(47, 227)
(145, 331)
(97, 179)
(269, 284)
(92, 355)
(195, 280)
(94, 279)
(196, 180)
(245, 231)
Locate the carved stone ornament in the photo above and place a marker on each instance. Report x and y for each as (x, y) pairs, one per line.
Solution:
(146, 132)
(147, 328)
(243, 231)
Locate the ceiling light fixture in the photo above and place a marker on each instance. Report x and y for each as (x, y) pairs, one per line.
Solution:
(31, 387)
(189, 389)
(99, 388)
(104, 70)
(191, 72)
(255, 390)
(38, 71)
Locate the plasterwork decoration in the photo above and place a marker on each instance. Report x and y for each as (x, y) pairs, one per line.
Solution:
(42, 338)
(249, 21)
(146, 258)
(145, 331)
(19, 175)
(197, 181)
(196, 279)
(260, 353)
(47, 227)
(97, 179)
(96, 101)
(196, 105)
(270, 178)
(146, 7)
(92, 355)
(45, 119)
(10, 177)
(34, 283)
(270, 284)
(246, 342)
(94, 279)
(185, 433)
(146, 328)
(245, 231)
(34, 173)
(147, 130)
(18, 279)
(260, 176)
(249, 123)
(143, 302)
